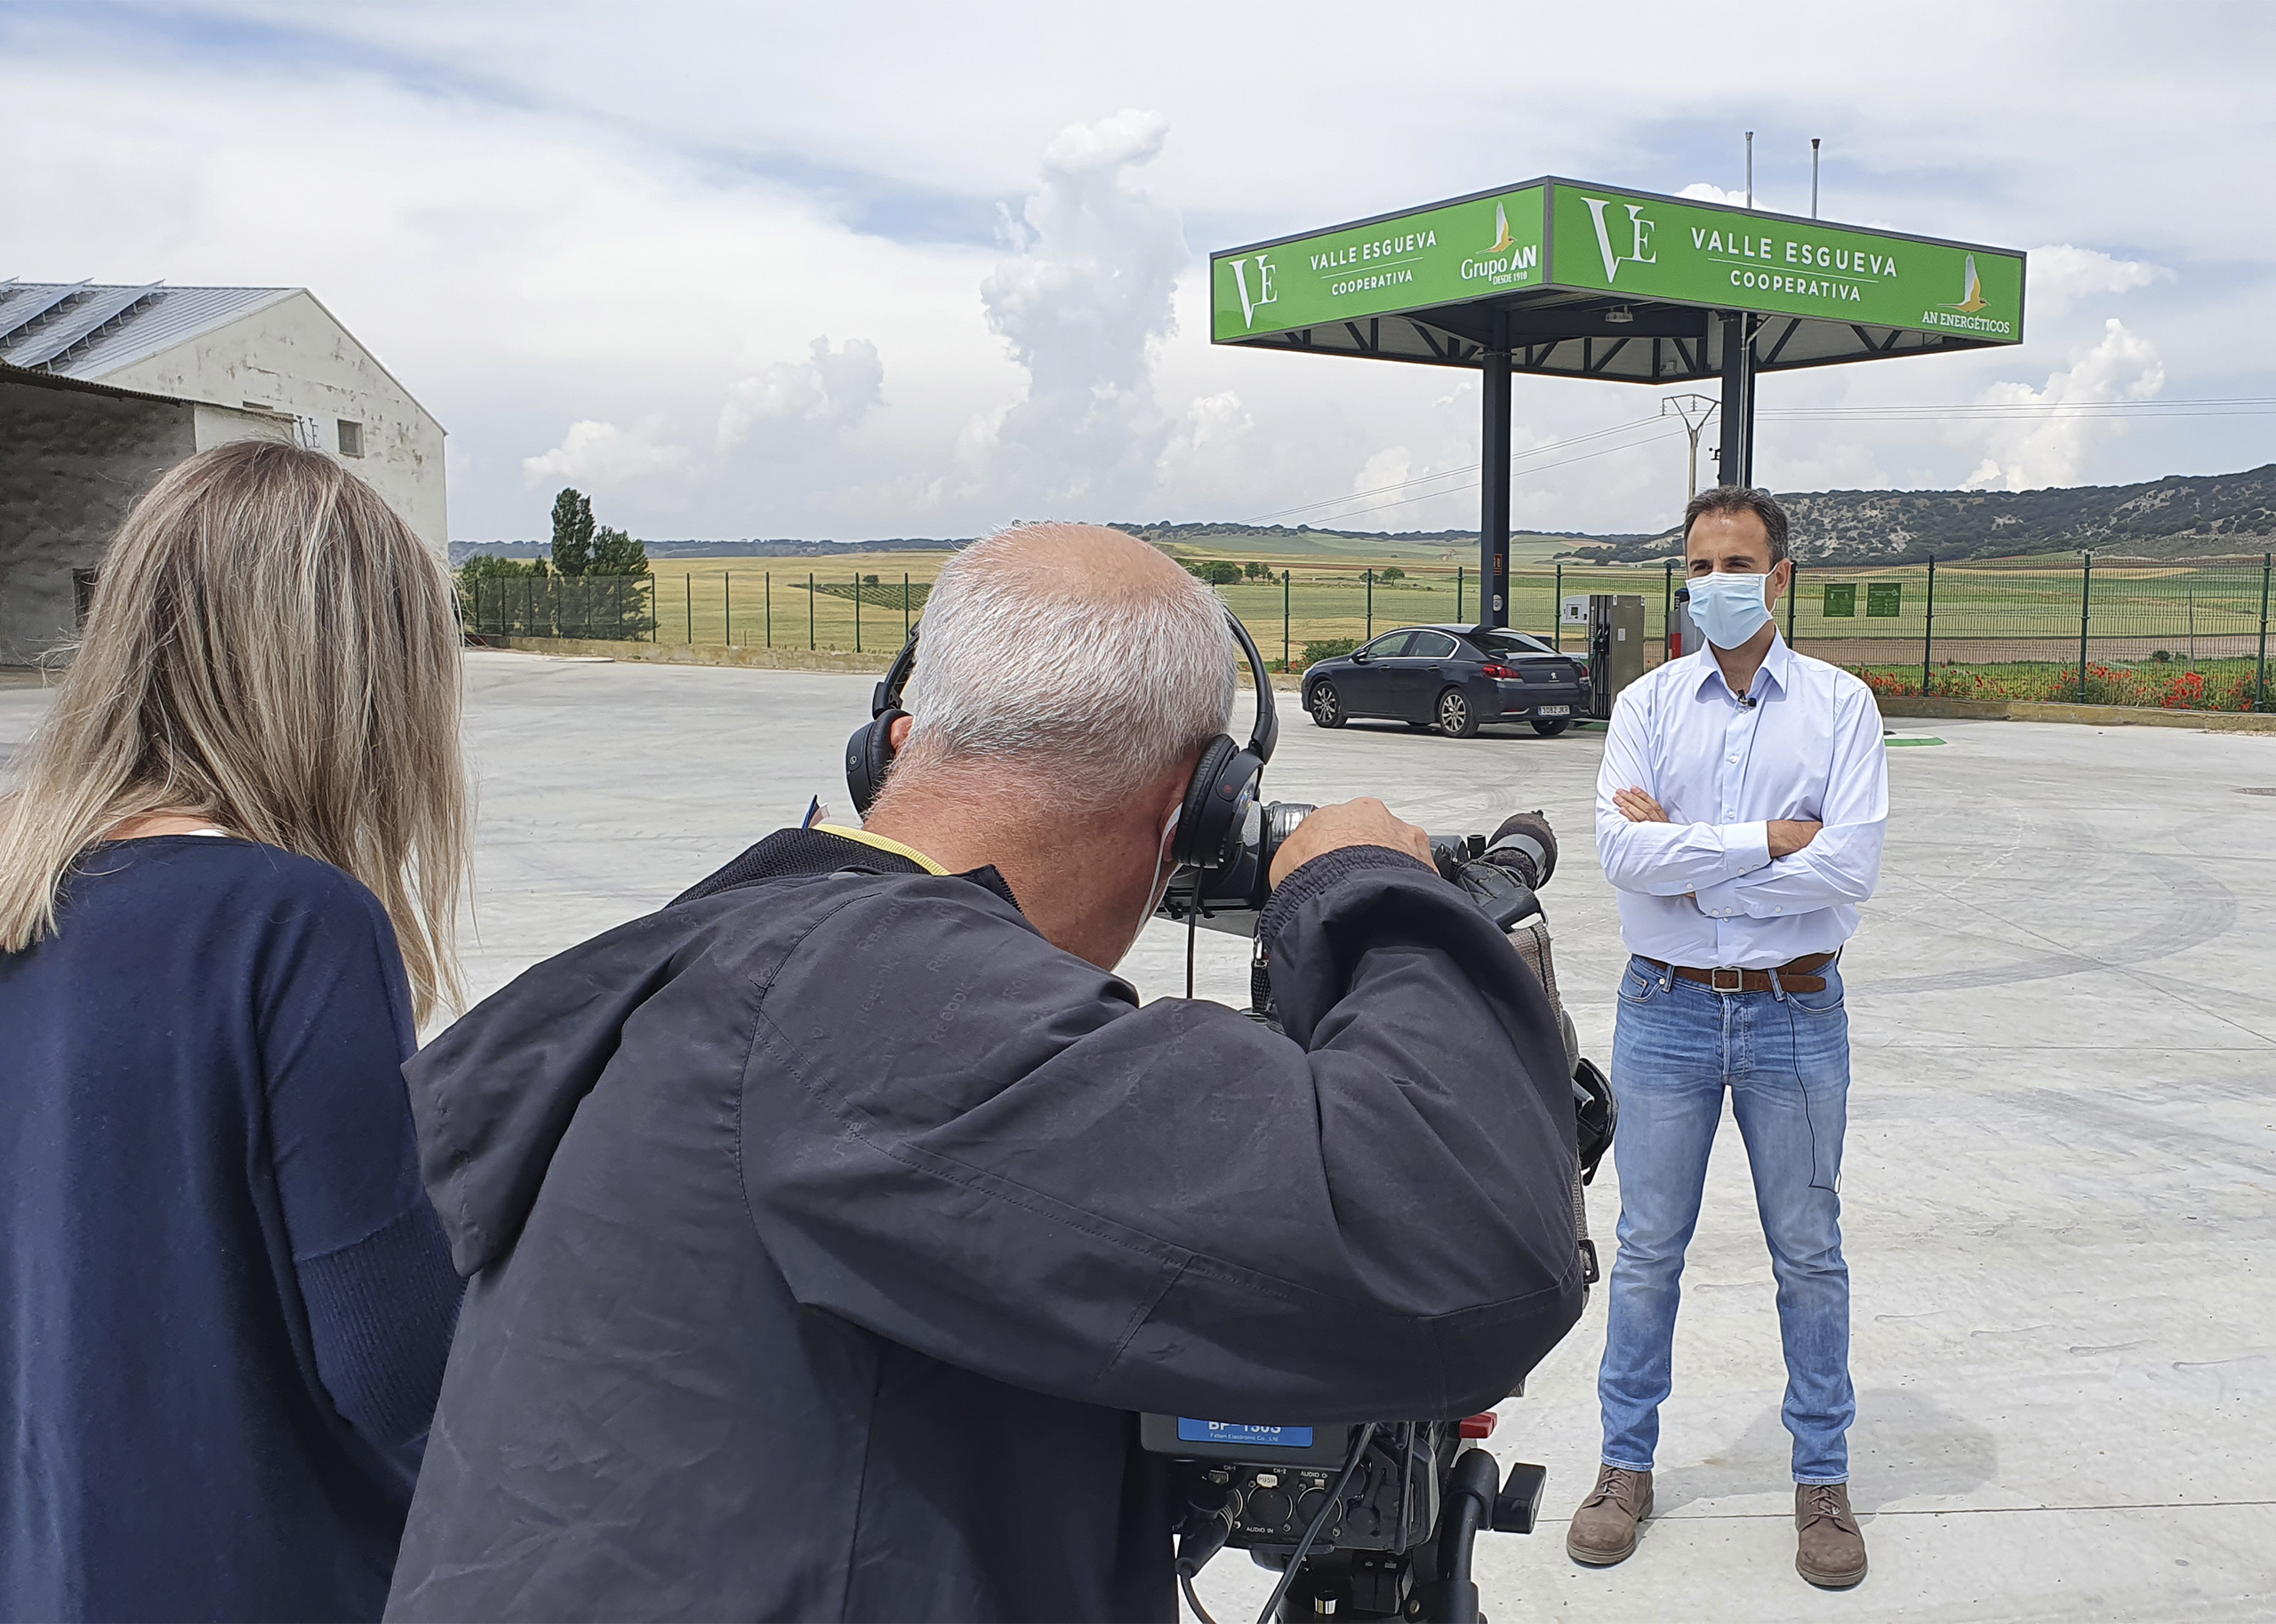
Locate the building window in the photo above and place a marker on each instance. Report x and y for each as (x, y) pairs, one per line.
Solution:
(83, 594)
(351, 438)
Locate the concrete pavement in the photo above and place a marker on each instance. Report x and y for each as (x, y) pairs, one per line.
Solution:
(2060, 1164)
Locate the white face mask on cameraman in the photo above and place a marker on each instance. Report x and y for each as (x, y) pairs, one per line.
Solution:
(1159, 882)
(1729, 609)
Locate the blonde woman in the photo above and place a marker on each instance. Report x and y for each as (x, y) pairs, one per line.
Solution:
(228, 877)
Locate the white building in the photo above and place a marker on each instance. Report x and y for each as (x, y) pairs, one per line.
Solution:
(104, 388)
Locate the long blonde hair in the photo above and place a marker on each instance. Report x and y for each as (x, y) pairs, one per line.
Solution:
(271, 649)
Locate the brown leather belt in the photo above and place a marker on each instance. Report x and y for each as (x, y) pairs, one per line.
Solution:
(1798, 976)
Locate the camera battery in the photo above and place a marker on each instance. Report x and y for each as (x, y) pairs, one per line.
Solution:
(1195, 1439)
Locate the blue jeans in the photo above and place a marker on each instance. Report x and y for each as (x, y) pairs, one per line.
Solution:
(1785, 1061)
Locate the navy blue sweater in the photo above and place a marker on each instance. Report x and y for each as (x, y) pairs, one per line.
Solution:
(225, 1302)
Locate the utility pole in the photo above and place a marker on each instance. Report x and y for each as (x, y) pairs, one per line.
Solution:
(1694, 410)
(1749, 169)
(1814, 140)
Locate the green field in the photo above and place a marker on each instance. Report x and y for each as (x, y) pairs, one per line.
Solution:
(1986, 617)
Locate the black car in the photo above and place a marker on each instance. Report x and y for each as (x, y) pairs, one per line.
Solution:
(1454, 678)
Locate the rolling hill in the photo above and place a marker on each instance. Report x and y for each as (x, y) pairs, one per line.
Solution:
(2176, 518)
(2179, 517)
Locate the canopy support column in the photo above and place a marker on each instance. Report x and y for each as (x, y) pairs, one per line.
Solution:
(1494, 499)
(1736, 465)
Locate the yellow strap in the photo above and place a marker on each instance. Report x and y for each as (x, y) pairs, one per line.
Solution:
(882, 844)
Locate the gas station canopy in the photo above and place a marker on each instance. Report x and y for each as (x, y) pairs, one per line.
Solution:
(1568, 280)
(1594, 282)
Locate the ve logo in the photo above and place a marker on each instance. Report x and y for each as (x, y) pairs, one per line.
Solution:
(1640, 251)
(1262, 293)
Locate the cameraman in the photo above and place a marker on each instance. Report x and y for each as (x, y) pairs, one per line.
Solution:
(825, 1227)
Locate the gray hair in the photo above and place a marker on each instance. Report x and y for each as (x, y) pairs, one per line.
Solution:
(1094, 683)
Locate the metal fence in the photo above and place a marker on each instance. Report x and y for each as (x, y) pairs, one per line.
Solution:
(2127, 632)
(611, 608)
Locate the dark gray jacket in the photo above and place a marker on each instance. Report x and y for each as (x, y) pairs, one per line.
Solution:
(826, 1227)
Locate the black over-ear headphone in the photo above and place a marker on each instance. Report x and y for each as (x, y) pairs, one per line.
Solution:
(1217, 800)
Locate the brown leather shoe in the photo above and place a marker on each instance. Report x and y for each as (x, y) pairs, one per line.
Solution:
(1604, 1529)
(1831, 1552)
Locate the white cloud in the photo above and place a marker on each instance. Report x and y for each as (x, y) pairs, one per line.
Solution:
(2060, 276)
(2047, 446)
(1393, 465)
(1082, 304)
(793, 405)
(603, 454)
(1704, 193)
(591, 222)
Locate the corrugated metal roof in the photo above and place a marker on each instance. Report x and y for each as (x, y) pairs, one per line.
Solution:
(87, 330)
(40, 380)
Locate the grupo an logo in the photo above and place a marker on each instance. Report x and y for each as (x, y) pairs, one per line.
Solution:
(1637, 229)
(1504, 264)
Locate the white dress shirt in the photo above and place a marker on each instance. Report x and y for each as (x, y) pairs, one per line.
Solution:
(1703, 890)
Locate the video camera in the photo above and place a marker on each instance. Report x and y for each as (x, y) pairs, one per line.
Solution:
(1377, 1521)
(1518, 861)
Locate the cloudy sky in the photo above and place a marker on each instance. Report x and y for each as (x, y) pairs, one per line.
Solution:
(872, 270)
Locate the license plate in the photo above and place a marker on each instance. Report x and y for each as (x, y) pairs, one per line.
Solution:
(1553, 710)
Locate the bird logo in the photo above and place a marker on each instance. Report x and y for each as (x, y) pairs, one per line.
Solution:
(1501, 238)
(1972, 298)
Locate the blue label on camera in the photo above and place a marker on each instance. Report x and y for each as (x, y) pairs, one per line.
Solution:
(1191, 1431)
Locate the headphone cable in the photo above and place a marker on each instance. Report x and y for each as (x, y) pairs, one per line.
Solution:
(1192, 918)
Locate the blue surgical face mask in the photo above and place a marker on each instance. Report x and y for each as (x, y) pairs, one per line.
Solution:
(1729, 609)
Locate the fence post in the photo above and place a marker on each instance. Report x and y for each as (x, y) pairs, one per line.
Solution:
(727, 607)
(529, 606)
(1556, 608)
(857, 612)
(1928, 630)
(2260, 680)
(810, 611)
(1285, 656)
(904, 605)
(1458, 592)
(687, 586)
(1793, 595)
(1371, 606)
(2086, 595)
(655, 609)
(766, 589)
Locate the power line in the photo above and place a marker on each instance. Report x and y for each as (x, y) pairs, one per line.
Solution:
(1456, 473)
(1519, 473)
(1471, 474)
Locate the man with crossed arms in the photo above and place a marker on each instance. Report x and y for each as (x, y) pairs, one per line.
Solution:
(1740, 811)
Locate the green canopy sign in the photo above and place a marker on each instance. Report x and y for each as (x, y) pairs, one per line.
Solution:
(1658, 248)
(1479, 246)
(1548, 241)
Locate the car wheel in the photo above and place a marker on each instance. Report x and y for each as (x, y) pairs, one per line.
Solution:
(1457, 719)
(1327, 706)
(1550, 730)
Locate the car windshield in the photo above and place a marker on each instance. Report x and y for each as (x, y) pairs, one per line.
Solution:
(1503, 642)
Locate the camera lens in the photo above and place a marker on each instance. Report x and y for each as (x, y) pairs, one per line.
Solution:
(1280, 820)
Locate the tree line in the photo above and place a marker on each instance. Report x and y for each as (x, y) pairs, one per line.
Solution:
(579, 548)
